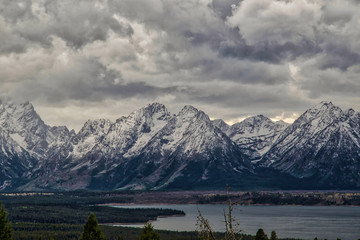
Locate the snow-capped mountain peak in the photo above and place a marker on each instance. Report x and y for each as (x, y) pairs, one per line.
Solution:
(282, 123)
(154, 149)
(128, 135)
(322, 142)
(223, 126)
(323, 110)
(188, 145)
(18, 117)
(95, 127)
(254, 135)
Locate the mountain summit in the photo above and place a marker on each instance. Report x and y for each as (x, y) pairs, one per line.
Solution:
(154, 149)
(255, 135)
(324, 144)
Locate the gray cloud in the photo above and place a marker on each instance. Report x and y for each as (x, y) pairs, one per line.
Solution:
(224, 7)
(276, 21)
(246, 97)
(16, 10)
(337, 13)
(77, 23)
(339, 56)
(271, 51)
(330, 83)
(233, 57)
(87, 80)
(10, 43)
(278, 31)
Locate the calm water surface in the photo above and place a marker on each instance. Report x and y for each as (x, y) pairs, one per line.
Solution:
(305, 222)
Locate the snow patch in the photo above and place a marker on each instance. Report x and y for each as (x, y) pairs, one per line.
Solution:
(20, 140)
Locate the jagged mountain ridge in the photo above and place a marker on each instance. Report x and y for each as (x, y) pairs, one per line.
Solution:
(26, 141)
(254, 135)
(28, 130)
(149, 149)
(153, 149)
(190, 151)
(323, 143)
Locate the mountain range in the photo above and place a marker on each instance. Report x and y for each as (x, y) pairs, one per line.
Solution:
(152, 149)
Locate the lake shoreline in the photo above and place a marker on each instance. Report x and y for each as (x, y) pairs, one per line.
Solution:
(245, 198)
(204, 204)
(297, 222)
(141, 223)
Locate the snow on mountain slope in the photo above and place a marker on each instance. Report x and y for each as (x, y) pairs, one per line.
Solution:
(26, 141)
(25, 126)
(153, 149)
(254, 135)
(129, 135)
(102, 145)
(189, 150)
(308, 128)
(219, 123)
(322, 143)
(91, 134)
(15, 161)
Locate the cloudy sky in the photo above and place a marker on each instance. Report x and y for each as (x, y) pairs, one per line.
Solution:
(76, 60)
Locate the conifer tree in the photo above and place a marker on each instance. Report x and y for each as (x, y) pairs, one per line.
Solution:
(260, 235)
(5, 227)
(273, 236)
(148, 233)
(92, 230)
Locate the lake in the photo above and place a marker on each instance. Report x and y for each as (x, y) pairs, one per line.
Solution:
(305, 222)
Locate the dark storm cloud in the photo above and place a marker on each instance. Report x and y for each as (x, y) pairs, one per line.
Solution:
(232, 55)
(82, 23)
(77, 23)
(272, 52)
(339, 56)
(228, 41)
(87, 80)
(139, 89)
(224, 7)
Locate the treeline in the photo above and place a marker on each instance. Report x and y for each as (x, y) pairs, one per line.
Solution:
(284, 198)
(76, 214)
(149, 197)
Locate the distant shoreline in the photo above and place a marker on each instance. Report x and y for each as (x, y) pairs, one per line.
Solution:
(254, 198)
(174, 204)
(261, 198)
